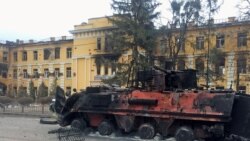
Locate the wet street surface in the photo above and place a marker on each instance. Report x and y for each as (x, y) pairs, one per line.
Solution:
(16, 128)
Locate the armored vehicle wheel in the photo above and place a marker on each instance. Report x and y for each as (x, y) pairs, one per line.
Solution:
(79, 124)
(184, 134)
(106, 128)
(146, 131)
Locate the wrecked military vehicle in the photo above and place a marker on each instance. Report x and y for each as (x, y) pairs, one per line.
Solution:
(162, 101)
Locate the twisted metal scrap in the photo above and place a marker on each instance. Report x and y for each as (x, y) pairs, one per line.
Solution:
(69, 134)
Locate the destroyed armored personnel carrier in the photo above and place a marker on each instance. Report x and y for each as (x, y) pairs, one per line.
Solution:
(162, 101)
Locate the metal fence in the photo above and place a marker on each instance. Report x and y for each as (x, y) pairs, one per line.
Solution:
(27, 110)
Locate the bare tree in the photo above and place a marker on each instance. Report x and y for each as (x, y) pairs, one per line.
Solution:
(244, 7)
(175, 31)
(210, 8)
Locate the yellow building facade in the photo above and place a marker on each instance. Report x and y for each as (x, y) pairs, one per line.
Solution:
(231, 38)
(73, 60)
(38, 61)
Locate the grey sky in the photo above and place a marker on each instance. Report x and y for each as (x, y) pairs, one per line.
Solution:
(40, 19)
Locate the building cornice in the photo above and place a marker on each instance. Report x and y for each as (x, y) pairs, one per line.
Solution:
(91, 30)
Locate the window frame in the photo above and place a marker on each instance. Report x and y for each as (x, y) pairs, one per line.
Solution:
(35, 73)
(15, 74)
(106, 70)
(5, 56)
(57, 72)
(45, 56)
(69, 52)
(57, 52)
(15, 56)
(242, 66)
(242, 39)
(220, 41)
(68, 72)
(46, 73)
(98, 69)
(35, 55)
(200, 66)
(99, 43)
(200, 42)
(25, 73)
(24, 56)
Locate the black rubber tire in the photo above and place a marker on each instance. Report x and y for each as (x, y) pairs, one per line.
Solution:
(79, 124)
(184, 134)
(146, 131)
(106, 128)
(46, 120)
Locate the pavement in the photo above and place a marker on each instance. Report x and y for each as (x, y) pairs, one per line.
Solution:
(23, 128)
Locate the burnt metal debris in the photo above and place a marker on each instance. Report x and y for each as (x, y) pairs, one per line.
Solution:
(161, 101)
(68, 134)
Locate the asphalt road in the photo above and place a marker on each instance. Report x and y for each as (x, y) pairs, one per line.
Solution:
(16, 128)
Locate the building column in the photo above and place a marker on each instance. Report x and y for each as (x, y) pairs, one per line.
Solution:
(51, 70)
(19, 80)
(40, 80)
(62, 79)
(231, 66)
(190, 62)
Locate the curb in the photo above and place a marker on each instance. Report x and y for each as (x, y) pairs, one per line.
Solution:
(26, 114)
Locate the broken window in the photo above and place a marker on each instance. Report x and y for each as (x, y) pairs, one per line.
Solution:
(46, 54)
(242, 65)
(15, 56)
(35, 73)
(24, 56)
(108, 44)
(5, 56)
(35, 55)
(46, 73)
(25, 73)
(4, 74)
(68, 72)
(220, 41)
(69, 52)
(200, 42)
(98, 69)
(220, 66)
(106, 70)
(57, 72)
(57, 53)
(199, 65)
(15, 73)
(242, 39)
(99, 43)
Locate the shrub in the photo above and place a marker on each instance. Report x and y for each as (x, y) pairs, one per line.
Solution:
(22, 92)
(11, 93)
(45, 100)
(42, 91)
(5, 100)
(24, 101)
(32, 90)
(53, 87)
